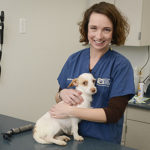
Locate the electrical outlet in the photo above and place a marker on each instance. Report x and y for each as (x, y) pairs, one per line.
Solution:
(22, 25)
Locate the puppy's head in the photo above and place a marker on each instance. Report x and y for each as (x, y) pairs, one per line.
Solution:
(85, 83)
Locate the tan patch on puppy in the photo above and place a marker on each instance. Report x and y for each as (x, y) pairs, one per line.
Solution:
(74, 82)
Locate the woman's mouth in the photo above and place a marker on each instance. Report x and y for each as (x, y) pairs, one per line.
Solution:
(99, 42)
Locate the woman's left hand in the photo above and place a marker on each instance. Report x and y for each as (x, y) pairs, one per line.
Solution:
(60, 110)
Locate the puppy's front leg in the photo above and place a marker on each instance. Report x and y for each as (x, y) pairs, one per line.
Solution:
(74, 131)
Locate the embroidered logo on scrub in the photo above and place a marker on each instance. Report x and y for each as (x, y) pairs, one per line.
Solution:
(69, 79)
(103, 82)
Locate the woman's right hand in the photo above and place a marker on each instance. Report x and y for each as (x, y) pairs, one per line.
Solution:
(71, 96)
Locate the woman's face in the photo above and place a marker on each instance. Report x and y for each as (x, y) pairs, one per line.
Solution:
(100, 30)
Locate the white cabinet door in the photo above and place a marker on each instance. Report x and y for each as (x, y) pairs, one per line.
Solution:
(124, 129)
(137, 13)
(132, 9)
(145, 32)
(138, 135)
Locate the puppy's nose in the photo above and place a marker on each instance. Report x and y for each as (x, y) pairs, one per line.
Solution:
(93, 90)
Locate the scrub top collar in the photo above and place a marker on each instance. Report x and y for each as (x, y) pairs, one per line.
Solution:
(100, 61)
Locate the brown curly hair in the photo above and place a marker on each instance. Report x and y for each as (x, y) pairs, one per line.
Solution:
(120, 25)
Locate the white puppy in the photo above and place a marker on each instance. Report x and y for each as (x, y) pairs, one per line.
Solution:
(48, 130)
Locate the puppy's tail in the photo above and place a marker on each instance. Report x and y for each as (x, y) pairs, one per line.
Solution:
(39, 139)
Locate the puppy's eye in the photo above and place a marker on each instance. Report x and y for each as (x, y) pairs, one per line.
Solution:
(85, 83)
(94, 81)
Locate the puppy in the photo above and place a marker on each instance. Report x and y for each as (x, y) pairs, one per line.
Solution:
(48, 130)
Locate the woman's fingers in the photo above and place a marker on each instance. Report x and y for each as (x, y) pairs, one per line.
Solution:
(76, 99)
(71, 96)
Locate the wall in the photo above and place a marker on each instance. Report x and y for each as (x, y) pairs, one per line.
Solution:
(138, 57)
(32, 61)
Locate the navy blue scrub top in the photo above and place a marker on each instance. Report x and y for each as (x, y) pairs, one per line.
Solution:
(114, 77)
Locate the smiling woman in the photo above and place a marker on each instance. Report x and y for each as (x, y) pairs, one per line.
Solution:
(102, 25)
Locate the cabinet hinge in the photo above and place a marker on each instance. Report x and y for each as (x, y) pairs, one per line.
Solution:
(139, 36)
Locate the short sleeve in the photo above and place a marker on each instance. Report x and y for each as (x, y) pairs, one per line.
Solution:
(122, 80)
(62, 78)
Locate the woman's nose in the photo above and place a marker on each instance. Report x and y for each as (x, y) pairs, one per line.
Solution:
(99, 34)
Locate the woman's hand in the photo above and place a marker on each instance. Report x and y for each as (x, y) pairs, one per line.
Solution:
(71, 96)
(61, 110)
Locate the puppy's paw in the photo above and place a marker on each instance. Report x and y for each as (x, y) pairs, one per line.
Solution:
(63, 143)
(79, 138)
(67, 139)
(63, 138)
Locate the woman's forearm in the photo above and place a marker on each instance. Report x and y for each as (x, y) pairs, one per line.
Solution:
(90, 114)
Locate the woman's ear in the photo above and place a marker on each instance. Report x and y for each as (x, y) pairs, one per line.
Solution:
(74, 82)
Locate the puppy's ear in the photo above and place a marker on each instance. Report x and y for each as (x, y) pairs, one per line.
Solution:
(74, 82)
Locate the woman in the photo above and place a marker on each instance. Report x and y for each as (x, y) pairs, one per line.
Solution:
(101, 26)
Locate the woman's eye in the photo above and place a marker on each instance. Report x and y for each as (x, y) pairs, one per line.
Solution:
(107, 30)
(93, 28)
